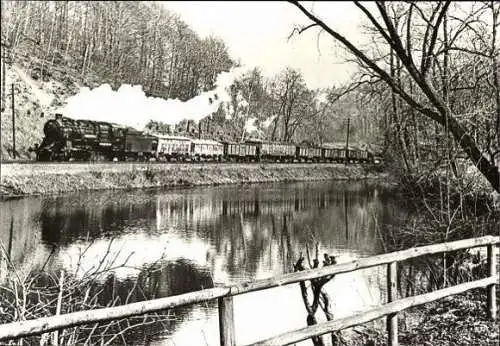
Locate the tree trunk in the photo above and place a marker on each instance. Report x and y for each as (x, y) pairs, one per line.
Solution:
(489, 170)
(495, 67)
(439, 112)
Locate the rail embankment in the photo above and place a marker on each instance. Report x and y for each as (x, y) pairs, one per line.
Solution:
(55, 178)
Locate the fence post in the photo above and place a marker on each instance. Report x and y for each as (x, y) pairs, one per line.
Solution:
(392, 295)
(226, 321)
(492, 268)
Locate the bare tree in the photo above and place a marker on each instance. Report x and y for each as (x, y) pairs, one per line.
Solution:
(429, 102)
(293, 100)
(320, 297)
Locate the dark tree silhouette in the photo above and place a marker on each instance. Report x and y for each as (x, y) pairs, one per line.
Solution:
(417, 56)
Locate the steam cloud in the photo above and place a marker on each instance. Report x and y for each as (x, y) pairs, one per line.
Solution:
(250, 125)
(131, 107)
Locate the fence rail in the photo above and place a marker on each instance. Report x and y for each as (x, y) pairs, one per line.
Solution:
(372, 314)
(224, 295)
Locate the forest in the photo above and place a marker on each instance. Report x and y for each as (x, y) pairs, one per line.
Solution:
(426, 92)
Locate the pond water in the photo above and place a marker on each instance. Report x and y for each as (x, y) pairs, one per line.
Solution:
(188, 239)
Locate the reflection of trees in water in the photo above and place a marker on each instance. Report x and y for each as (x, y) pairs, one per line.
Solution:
(18, 233)
(247, 228)
(65, 219)
(161, 279)
(178, 277)
(156, 281)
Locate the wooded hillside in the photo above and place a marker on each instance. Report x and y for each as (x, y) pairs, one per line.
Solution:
(121, 42)
(59, 47)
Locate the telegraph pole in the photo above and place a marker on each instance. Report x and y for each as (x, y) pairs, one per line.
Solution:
(13, 123)
(3, 105)
(4, 56)
(347, 142)
(3, 99)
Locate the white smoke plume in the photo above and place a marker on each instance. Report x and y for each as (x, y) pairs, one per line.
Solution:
(254, 128)
(269, 121)
(250, 125)
(130, 106)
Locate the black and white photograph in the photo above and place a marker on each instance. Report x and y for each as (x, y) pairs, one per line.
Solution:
(250, 173)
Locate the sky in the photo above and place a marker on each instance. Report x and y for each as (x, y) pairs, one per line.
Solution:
(257, 34)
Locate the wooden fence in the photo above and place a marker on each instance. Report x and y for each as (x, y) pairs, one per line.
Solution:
(224, 295)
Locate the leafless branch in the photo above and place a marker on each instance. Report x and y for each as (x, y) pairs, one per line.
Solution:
(301, 30)
(465, 50)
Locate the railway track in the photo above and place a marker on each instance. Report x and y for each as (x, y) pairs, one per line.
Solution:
(33, 162)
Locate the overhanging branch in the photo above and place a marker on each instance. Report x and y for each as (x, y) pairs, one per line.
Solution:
(301, 30)
(383, 75)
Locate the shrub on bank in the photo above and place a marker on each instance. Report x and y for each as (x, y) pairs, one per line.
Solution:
(45, 294)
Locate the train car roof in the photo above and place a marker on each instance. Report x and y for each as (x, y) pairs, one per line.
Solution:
(333, 146)
(338, 147)
(309, 145)
(180, 138)
(269, 142)
(233, 142)
(254, 139)
(205, 141)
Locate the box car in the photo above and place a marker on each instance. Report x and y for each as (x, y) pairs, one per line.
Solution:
(354, 155)
(308, 153)
(206, 149)
(239, 151)
(334, 154)
(277, 151)
(139, 145)
(173, 147)
(363, 155)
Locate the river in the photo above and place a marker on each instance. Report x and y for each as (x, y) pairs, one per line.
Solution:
(187, 239)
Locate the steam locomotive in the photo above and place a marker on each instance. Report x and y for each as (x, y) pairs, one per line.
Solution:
(67, 139)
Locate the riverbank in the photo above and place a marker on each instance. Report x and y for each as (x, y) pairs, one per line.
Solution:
(455, 320)
(55, 178)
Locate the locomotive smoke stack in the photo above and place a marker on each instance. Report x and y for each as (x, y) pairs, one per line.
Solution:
(59, 117)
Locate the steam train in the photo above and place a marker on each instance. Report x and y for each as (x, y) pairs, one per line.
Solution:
(67, 139)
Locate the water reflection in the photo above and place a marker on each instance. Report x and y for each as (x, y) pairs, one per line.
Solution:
(185, 240)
